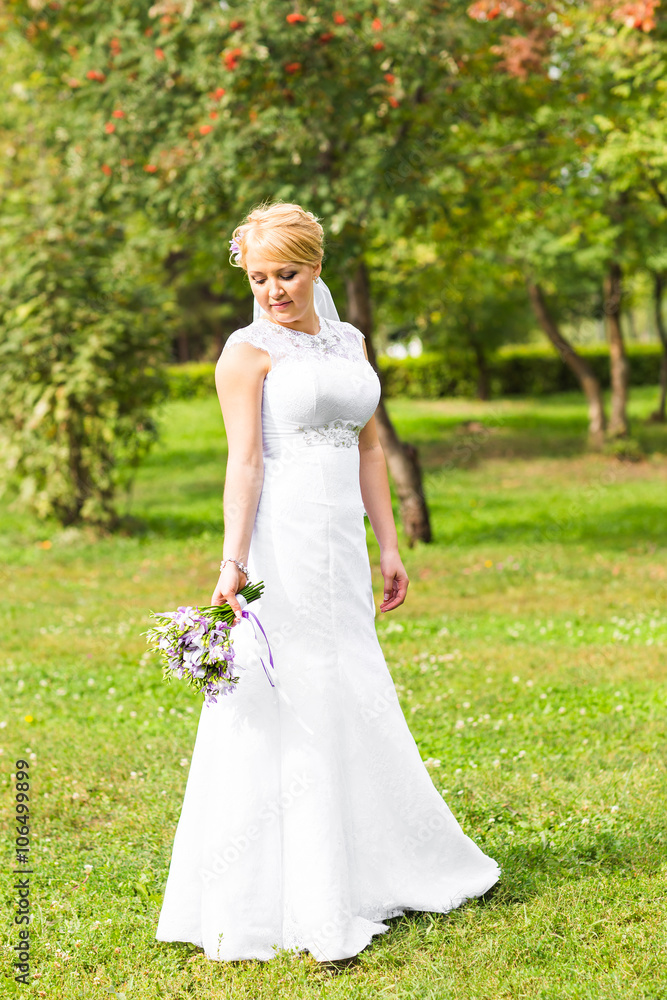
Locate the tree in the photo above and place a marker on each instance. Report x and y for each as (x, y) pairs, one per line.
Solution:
(81, 362)
(658, 415)
(196, 115)
(591, 76)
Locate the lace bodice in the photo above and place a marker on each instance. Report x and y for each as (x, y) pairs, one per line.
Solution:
(335, 340)
(320, 389)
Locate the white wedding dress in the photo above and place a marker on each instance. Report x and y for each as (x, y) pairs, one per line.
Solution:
(309, 816)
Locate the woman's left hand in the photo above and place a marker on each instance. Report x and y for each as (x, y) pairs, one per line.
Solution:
(395, 580)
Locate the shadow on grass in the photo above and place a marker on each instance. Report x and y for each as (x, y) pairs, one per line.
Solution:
(628, 525)
(171, 526)
(515, 427)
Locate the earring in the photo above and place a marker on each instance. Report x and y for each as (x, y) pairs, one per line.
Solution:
(317, 280)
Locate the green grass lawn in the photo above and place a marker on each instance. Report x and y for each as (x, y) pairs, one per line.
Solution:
(530, 663)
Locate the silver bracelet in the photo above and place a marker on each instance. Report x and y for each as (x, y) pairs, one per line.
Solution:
(238, 563)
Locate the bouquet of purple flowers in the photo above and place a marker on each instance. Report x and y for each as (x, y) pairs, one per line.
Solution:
(196, 643)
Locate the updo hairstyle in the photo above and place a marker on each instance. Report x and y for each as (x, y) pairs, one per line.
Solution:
(281, 231)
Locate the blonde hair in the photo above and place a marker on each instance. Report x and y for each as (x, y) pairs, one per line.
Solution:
(283, 231)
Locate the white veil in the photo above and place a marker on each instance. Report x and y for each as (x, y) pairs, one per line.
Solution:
(324, 303)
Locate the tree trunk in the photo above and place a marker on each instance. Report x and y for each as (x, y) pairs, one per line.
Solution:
(620, 369)
(483, 382)
(402, 457)
(658, 416)
(580, 367)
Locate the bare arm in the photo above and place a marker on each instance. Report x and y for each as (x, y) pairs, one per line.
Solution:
(376, 496)
(239, 378)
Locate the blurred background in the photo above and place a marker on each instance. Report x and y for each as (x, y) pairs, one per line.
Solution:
(491, 178)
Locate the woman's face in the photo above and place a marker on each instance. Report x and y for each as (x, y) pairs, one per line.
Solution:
(284, 290)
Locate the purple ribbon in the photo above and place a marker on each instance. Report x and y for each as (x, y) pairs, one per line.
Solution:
(249, 615)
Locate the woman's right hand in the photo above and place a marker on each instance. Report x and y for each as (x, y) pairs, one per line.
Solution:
(230, 581)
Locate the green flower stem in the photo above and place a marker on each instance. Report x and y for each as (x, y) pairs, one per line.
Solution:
(224, 612)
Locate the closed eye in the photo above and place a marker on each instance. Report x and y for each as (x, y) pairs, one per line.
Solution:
(283, 277)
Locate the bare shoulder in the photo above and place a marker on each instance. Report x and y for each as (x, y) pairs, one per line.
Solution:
(243, 357)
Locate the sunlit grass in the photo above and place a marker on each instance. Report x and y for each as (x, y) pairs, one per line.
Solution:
(530, 664)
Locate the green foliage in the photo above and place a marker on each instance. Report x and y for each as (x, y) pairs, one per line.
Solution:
(451, 176)
(513, 371)
(534, 371)
(81, 362)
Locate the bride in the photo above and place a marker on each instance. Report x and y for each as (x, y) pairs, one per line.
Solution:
(308, 816)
